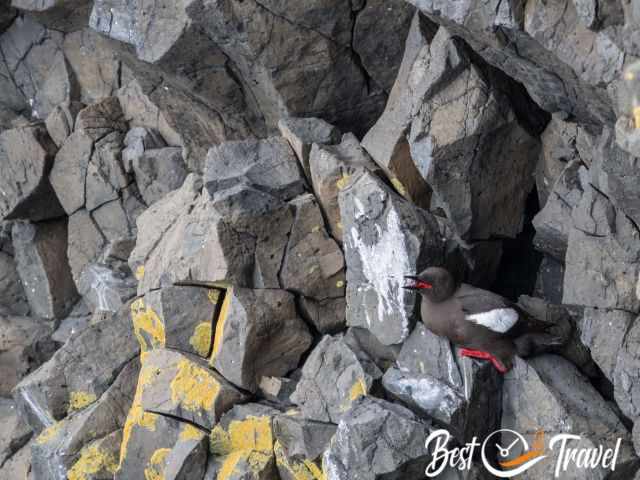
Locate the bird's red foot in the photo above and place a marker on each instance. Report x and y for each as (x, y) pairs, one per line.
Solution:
(468, 352)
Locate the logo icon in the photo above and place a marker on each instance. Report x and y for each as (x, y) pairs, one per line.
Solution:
(509, 441)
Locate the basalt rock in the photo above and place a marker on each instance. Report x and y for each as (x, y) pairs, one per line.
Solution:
(41, 257)
(385, 238)
(560, 398)
(25, 343)
(26, 157)
(268, 165)
(12, 294)
(331, 167)
(16, 432)
(333, 377)
(313, 264)
(35, 67)
(258, 334)
(83, 368)
(607, 282)
(242, 444)
(184, 387)
(469, 131)
(66, 16)
(302, 133)
(458, 393)
(627, 393)
(98, 460)
(538, 46)
(553, 223)
(430, 59)
(58, 450)
(162, 447)
(180, 317)
(302, 439)
(359, 450)
(137, 140)
(158, 172)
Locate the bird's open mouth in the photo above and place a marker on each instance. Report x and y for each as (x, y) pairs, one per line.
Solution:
(414, 283)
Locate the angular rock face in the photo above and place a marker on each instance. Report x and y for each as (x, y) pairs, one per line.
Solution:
(625, 373)
(41, 257)
(12, 295)
(302, 133)
(179, 317)
(34, 68)
(313, 264)
(609, 282)
(78, 373)
(333, 377)
(58, 450)
(158, 172)
(268, 165)
(196, 394)
(468, 131)
(25, 343)
(358, 451)
(457, 393)
(26, 157)
(548, 392)
(331, 168)
(561, 73)
(257, 334)
(242, 444)
(68, 15)
(385, 239)
(553, 222)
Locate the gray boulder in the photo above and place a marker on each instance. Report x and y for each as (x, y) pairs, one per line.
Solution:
(302, 133)
(184, 387)
(26, 157)
(333, 377)
(159, 171)
(359, 451)
(258, 333)
(385, 238)
(41, 258)
(268, 165)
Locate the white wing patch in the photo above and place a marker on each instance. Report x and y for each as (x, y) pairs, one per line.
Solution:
(499, 320)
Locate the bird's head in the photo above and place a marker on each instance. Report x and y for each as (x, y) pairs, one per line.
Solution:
(435, 283)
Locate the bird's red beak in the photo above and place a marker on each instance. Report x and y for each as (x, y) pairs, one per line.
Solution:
(416, 283)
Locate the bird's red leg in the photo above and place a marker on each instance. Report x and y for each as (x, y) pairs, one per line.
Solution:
(468, 352)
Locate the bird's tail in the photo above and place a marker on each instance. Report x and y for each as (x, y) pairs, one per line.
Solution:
(536, 343)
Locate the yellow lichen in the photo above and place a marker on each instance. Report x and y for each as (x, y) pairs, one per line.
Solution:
(92, 460)
(399, 186)
(339, 284)
(359, 389)
(222, 318)
(140, 272)
(201, 338)
(213, 295)
(49, 433)
(78, 400)
(147, 326)
(256, 461)
(340, 226)
(252, 433)
(298, 470)
(316, 229)
(155, 467)
(343, 181)
(137, 416)
(193, 387)
(189, 432)
(220, 442)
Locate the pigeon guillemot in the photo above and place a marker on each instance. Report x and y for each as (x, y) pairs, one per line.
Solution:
(483, 323)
